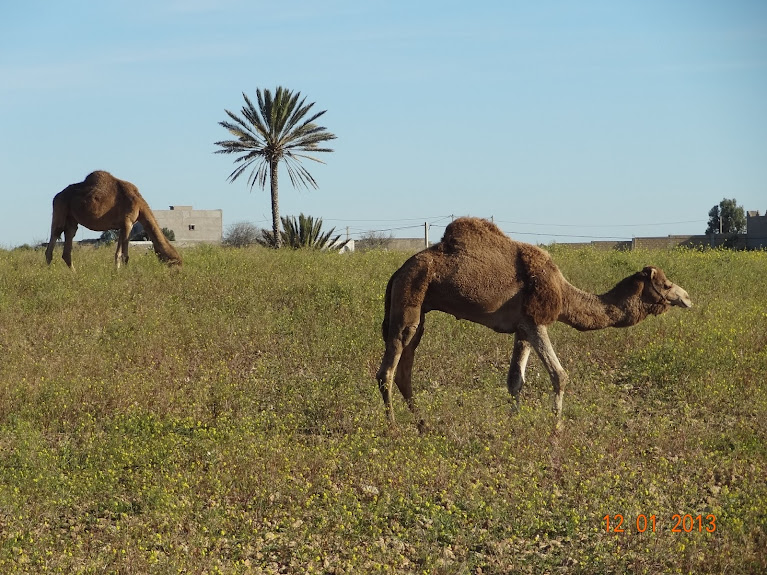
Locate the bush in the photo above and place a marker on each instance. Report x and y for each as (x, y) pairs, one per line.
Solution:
(108, 237)
(137, 234)
(375, 240)
(241, 234)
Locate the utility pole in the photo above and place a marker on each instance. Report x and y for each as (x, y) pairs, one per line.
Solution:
(720, 227)
(426, 234)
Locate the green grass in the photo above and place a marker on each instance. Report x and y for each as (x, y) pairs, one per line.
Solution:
(224, 418)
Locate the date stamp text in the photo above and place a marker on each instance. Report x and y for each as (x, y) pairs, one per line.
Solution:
(678, 523)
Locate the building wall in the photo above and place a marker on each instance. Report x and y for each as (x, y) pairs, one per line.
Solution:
(393, 244)
(192, 226)
(699, 241)
(622, 246)
(756, 230)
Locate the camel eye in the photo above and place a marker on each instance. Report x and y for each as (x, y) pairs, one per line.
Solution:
(667, 285)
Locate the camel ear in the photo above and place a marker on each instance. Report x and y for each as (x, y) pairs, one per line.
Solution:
(650, 272)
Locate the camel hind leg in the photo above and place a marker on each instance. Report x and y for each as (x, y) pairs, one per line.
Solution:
(401, 341)
(403, 376)
(55, 235)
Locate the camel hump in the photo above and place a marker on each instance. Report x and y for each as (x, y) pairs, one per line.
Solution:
(99, 176)
(467, 233)
(104, 179)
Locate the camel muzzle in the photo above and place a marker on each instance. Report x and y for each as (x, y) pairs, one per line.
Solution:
(679, 297)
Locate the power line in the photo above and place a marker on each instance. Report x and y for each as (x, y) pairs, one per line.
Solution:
(600, 225)
(360, 231)
(615, 238)
(394, 220)
(518, 233)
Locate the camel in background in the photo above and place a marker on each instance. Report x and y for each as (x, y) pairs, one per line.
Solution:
(102, 202)
(479, 274)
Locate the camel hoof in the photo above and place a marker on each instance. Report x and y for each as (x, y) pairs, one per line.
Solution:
(422, 426)
(393, 431)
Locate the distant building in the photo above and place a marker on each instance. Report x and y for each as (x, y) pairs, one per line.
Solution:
(755, 238)
(756, 230)
(192, 226)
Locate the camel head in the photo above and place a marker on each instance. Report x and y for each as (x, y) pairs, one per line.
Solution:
(661, 293)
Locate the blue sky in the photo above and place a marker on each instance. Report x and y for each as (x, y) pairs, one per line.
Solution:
(565, 121)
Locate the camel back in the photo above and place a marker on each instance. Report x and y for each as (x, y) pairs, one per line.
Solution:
(467, 234)
(116, 187)
(527, 264)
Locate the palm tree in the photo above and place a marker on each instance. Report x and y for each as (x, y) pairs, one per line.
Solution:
(278, 129)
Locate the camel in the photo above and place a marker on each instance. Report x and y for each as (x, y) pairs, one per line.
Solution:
(102, 202)
(479, 274)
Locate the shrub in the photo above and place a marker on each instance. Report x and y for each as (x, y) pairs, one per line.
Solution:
(375, 240)
(241, 234)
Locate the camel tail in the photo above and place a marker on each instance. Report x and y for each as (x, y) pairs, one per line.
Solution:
(387, 309)
(162, 247)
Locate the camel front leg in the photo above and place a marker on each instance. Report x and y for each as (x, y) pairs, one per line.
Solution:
(121, 255)
(69, 235)
(538, 337)
(516, 377)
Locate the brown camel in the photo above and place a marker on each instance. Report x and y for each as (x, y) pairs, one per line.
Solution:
(479, 274)
(102, 202)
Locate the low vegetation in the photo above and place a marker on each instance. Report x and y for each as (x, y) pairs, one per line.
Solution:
(224, 418)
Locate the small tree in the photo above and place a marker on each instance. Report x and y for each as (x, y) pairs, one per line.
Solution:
(241, 234)
(108, 237)
(137, 234)
(375, 240)
(726, 218)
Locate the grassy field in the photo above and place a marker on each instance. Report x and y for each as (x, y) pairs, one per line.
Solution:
(224, 418)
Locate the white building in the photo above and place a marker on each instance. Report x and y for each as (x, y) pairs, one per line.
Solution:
(192, 226)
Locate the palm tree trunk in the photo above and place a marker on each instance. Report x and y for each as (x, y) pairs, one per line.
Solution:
(273, 164)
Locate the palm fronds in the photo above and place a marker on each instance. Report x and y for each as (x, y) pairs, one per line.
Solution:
(276, 129)
(304, 232)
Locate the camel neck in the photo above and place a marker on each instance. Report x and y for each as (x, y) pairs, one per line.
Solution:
(162, 247)
(586, 311)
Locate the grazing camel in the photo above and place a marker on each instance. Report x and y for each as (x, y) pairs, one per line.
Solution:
(479, 274)
(102, 202)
